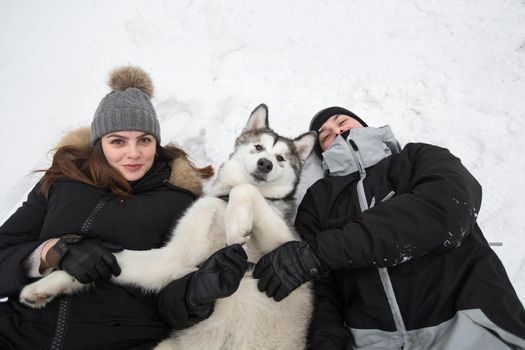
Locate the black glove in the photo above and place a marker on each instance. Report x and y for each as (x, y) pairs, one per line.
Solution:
(286, 268)
(87, 260)
(217, 277)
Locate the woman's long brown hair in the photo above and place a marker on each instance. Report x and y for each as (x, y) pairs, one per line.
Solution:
(87, 164)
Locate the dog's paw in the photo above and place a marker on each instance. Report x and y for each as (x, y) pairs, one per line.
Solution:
(36, 297)
(238, 223)
(40, 293)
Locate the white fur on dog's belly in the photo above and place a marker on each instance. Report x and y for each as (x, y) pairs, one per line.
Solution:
(261, 319)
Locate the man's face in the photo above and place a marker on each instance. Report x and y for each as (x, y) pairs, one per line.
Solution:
(334, 126)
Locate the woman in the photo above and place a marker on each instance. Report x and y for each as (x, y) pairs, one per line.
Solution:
(397, 258)
(109, 188)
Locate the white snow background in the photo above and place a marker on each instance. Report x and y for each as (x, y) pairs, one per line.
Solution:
(451, 73)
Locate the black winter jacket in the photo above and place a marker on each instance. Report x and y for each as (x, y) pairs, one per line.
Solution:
(408, 271)
(108, 316)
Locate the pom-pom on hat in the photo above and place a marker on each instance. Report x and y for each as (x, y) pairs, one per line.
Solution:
(128, 106)
(322, 116)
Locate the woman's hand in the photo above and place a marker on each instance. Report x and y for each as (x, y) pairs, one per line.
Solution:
(47, 245)
(217, 277)
(87, 260)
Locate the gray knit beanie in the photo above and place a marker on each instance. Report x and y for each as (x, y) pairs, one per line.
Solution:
(128, 106)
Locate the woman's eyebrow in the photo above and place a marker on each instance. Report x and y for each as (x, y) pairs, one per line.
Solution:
(119, 136)
(127, 138)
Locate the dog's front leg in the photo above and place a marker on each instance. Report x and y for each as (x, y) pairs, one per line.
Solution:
(38, 294)
(248, 213)
(238, 219)
(198, 234)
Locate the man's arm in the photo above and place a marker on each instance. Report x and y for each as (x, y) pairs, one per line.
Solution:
(327, 328)
(435, 207)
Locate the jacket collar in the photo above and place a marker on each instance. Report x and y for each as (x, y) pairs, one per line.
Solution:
(154, 178)
(362, 148)
(178, 172)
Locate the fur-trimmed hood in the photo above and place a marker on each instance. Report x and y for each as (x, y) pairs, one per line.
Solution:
(182, 173)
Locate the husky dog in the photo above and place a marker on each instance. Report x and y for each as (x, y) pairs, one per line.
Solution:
(259, 179)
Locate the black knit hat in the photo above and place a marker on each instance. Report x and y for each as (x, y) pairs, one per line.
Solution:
(322, 116)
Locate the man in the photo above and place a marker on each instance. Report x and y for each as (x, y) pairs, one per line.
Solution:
(392, 244)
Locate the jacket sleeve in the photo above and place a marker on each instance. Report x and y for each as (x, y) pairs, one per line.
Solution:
(327, 330)
(435, 207)
(19, 236)
(172, 307)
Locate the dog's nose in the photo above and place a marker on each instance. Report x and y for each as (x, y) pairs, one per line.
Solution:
(264, 165)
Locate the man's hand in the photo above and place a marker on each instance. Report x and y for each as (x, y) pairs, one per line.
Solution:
(284, 269)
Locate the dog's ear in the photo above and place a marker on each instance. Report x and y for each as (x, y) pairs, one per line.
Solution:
(258, 118)
(304, 144)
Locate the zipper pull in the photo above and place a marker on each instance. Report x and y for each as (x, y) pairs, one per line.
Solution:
(358, 159)
(354, 146)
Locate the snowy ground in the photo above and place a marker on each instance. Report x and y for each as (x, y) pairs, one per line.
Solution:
(445, 72)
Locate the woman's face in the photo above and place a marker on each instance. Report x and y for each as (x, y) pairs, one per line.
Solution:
(335, 125)
(130, 152)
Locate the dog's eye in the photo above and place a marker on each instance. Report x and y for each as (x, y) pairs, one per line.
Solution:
(280, 158)
(259, 148)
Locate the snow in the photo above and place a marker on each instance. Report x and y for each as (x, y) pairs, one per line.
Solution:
(446, 72)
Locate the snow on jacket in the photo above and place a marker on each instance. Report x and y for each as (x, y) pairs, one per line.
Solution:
(410, 267)
(108, 316)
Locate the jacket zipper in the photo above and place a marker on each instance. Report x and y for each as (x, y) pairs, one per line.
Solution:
(383, 271)
(363, 204)
(65, 302)
(63, 312)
